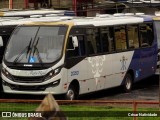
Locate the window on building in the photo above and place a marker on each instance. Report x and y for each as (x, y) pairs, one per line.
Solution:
(120, 38)
(146, 34)
(133, 40)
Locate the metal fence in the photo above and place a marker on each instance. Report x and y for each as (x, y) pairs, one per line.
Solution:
(87, 109)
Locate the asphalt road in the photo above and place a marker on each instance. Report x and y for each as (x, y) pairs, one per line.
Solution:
(147, 89)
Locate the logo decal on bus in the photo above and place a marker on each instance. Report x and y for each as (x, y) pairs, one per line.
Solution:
(123, 62)
(27, 65)
(73, 73)
(97, 66)
(32, 59)
(37, 73)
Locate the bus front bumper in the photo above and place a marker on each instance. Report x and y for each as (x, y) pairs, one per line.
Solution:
(53, 87)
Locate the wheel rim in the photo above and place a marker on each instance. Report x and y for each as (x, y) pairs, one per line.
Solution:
(70, 94)
(128, 83)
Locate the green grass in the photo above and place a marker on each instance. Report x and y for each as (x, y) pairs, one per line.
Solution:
(84, 112)
(17, 107)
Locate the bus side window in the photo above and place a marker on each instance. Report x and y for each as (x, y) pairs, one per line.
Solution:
(81, 46)
(98, 40)
(107, 39)
(93, 41)
(104, 37)
(79, 51)
(146, 35)
(120, 38)
(133, 36)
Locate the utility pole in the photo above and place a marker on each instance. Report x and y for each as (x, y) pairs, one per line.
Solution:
(74, 2)
(25, 4)
(10, 4)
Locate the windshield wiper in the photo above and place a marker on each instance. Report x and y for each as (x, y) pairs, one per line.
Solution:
(37, 51)
(35, 46)
(26, 48)
(29, 47)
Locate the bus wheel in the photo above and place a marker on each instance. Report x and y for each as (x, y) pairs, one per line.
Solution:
(128, 83)
(71, 93)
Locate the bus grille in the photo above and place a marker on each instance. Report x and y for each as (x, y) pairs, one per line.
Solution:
(28, 88)
(31, 88)
(34, 79)
(27, 68)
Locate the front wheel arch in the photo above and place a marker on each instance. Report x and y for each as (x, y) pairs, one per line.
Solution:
(73, 90)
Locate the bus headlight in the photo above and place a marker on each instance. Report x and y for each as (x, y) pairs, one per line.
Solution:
(52, 73)
(6, 73)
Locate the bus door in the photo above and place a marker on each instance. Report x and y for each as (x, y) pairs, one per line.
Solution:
(76, 61)
(148, 52)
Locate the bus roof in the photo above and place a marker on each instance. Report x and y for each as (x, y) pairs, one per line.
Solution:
(147, 18)
(156, 18)
(100, 20)
(17, 21)
(94, 21)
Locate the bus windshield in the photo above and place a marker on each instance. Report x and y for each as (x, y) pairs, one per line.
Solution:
(36, 44)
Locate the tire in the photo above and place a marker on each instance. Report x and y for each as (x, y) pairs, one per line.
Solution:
(72, 93)
(128, 82)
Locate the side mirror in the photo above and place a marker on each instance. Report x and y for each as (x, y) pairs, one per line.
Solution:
(1, 41)
(75, 41)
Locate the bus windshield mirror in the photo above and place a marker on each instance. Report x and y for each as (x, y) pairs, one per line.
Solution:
(1, 41)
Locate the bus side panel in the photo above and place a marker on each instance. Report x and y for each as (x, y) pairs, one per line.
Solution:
(121, 62)
(135, 65)
(143, 63)
(112, 66)
(148, 56)
(99, 70)
(148, 53)
(108, 71)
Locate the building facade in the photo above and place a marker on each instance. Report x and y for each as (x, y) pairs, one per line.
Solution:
(80, 7)
(25, 4)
